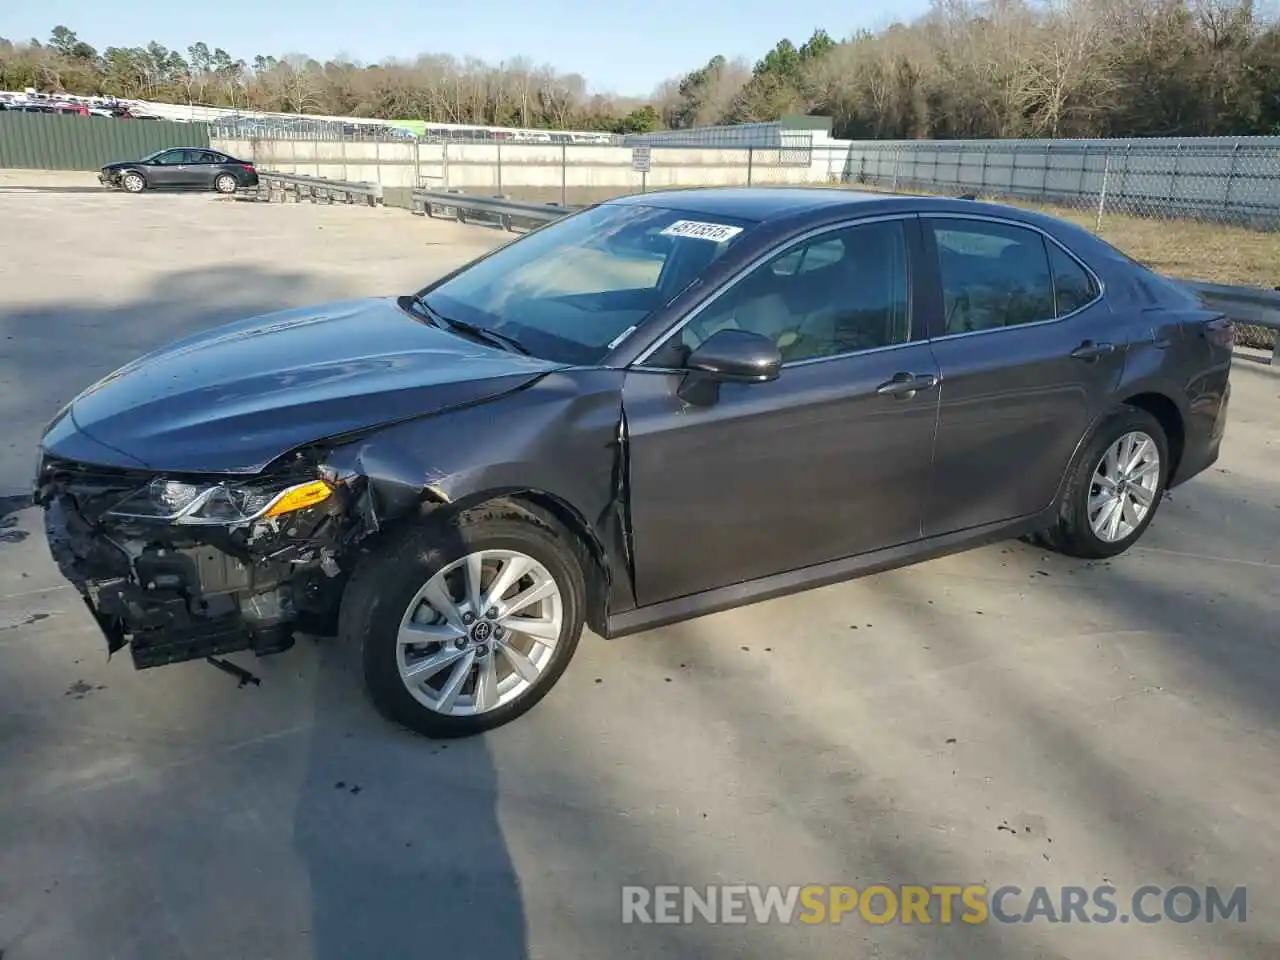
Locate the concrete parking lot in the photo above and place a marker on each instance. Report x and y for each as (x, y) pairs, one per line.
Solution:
(1001, 717)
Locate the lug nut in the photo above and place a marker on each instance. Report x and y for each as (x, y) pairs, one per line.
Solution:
(481, 650)
(499, 633)
(460, 642)
(468, 618)
(492, 613)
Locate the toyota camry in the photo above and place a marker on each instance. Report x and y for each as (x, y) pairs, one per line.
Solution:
(655, 408)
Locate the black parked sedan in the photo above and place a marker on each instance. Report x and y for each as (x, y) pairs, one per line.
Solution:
(659, 407)
(181, 168)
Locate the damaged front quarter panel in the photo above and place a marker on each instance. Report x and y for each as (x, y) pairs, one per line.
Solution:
(558, 444)
(177, 592)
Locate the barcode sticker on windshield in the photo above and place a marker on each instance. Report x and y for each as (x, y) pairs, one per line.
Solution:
(715, 232)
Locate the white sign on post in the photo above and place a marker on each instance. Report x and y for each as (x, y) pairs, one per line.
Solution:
(640, 159)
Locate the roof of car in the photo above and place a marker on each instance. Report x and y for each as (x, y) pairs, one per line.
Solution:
(752, 203)
(771, 203)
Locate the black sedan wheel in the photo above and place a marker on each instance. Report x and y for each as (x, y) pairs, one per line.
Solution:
(225, 183)
(1115, 488)
(133, 182)
(466, 623)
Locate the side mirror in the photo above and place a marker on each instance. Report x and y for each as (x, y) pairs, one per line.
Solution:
(728, 356)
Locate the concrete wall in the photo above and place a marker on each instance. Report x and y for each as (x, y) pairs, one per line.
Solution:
(570, 173)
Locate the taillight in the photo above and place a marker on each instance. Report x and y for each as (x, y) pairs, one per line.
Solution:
(249, 167)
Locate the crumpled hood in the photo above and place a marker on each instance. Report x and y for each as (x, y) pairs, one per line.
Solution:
(233, 398)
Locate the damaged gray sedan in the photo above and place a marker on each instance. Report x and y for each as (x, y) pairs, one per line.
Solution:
(656, 408)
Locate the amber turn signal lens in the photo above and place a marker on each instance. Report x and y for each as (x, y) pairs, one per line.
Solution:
(300, 497)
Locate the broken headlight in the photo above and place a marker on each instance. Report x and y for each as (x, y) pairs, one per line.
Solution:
(182, 502)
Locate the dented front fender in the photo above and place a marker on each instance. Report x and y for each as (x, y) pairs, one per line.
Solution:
(561, 439)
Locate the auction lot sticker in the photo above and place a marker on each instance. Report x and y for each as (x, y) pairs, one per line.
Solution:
(715, 232)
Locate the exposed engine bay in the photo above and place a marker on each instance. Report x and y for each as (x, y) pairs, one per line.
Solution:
(186, 568)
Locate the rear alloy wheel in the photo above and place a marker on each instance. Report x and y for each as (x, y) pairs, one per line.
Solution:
(1123, 488)
(1116, 488)
(133, 182)
(225, 183)
(466, 624)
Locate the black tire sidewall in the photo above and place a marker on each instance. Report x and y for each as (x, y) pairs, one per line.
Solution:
(1076, 513)
(222, 178)
(124, 181)
(401, 568)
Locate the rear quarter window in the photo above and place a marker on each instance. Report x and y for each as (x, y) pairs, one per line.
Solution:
(1073, 286)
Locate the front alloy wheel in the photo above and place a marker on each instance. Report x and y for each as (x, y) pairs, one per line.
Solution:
(133, 182)
(466, 621)
(479, 633)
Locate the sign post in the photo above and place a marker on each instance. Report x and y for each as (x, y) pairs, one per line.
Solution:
(640, 158)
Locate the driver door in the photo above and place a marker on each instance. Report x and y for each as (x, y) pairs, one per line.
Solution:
(166, 169)
(828, 461)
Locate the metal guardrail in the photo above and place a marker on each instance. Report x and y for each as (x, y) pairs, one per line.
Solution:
(490, 211)
(282, 186)
(1254, 310)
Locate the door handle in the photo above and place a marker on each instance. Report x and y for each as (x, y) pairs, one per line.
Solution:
(906, 385)
(1089, 350)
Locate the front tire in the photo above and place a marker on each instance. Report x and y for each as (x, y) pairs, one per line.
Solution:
(466, 622)
(1115, 488)
(133, 182)
(225, 183)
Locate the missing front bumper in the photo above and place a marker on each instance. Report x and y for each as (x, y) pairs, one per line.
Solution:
(171, 605)
(161, 629)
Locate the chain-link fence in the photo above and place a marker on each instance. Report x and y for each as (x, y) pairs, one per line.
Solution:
(1203, 208)
(1222, 180)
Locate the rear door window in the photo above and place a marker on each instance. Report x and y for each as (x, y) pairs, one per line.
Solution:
(993, 275)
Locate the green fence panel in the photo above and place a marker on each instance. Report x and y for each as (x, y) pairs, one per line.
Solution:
(44, 141)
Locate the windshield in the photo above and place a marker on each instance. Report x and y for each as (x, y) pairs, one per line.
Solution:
(573, 290)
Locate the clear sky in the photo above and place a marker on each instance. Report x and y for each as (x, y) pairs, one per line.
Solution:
(620, 47)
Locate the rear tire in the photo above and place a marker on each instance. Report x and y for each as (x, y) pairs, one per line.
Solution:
(1115, 488)
(453, 682)
(133, 182)
(225, 183)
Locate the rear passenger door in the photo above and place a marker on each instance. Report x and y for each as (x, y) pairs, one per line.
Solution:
(206, 165)
(1028, 356)
(192, 170)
